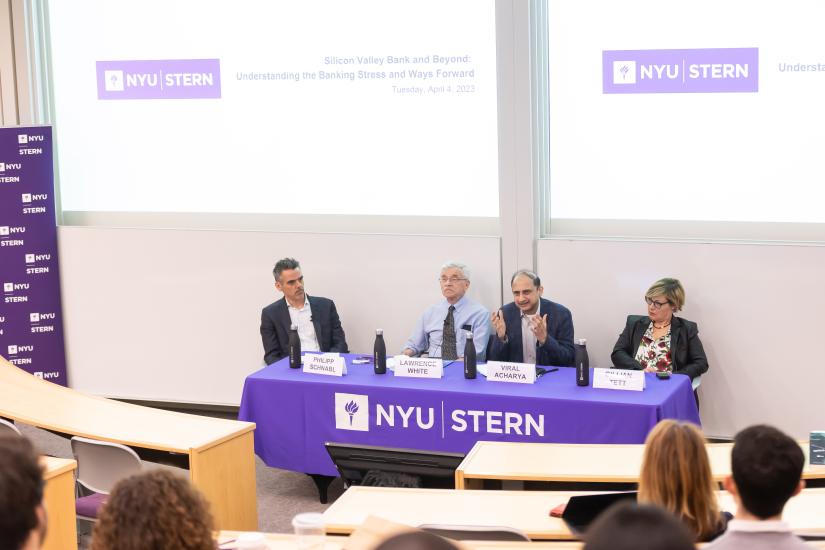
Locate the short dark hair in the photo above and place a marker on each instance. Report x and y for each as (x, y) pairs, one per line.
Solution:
(767, 466)
(526, 273)
(628, 526)
(284, 264)
(21, 490)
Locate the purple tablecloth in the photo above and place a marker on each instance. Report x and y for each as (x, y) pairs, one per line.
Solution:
(296, 413)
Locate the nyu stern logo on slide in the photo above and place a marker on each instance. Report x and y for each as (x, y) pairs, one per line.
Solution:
(159, 79)
(707, 70)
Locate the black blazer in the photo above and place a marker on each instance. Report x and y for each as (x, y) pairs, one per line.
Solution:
(275, 323)
(686, 352)
(558, 349)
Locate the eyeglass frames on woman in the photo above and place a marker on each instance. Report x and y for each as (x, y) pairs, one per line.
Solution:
(655, 304)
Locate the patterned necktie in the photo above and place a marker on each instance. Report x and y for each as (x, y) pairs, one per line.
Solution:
(448, 345)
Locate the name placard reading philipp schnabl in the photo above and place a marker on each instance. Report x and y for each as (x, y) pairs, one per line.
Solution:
(328, 364)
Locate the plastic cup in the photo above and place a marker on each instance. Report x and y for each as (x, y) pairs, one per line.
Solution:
(251, 541)
(309, 530)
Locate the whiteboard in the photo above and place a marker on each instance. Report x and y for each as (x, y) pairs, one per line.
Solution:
(173, 315)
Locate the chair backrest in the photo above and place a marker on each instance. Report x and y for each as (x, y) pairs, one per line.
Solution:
(101, 464)
(7, 428)
(475, 532)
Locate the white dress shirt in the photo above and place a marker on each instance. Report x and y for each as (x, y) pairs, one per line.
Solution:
(528, 339)
(306, 330)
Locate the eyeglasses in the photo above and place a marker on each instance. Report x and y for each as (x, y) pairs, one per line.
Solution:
(655, 304)
(451, 280)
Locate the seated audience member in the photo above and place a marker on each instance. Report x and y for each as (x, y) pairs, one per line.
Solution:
(531, 329)
(317, 319)
(767, 470)
(440, 331)
(628, 526)
(154, 510)
(676, 475)
(660, 341)
(416, 540)
(22, 515)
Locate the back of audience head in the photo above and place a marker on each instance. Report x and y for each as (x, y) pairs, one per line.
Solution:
(22, 515)
(628, 526)
(676, 475)
(416, 540)
(155, 510)
(767, 469)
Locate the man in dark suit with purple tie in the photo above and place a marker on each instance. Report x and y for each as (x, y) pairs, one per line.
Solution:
(317, 319)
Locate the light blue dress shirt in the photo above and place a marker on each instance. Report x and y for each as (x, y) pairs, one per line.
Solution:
(429, 330)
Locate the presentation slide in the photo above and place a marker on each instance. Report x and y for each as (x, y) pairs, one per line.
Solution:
(363, 107)
(706, 111)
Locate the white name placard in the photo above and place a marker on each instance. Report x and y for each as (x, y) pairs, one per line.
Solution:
(328, 364)
(619, 379)
(418, 367)
(502, 371)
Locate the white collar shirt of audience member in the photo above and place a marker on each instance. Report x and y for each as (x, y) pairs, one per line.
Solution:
(306, 329)
(758, 535)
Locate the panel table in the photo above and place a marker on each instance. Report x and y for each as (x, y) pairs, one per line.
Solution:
(296, 412)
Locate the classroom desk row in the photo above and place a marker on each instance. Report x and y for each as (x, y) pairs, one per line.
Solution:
(579, 463)
(218, 453)
(279, 541)
(58, 498)
(528, 511)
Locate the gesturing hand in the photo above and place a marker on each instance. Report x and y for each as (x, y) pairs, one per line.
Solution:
(538, 324)
(497, 319)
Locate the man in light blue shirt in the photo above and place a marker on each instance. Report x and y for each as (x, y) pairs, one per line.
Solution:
(440, 332)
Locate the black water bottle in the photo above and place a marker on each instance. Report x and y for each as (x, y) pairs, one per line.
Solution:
(470, 365)
(582, 362)
(294, 348)
(379, 353)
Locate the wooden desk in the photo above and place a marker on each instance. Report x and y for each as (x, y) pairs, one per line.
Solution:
(220, 452)
(58, 497)
(283, 541)
(578, 463)
(525, 510)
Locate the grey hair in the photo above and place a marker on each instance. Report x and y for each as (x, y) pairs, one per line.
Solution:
(284, 264)
(465, 271)
(526, 273)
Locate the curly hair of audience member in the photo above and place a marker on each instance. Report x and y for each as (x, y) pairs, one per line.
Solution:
(154, 509)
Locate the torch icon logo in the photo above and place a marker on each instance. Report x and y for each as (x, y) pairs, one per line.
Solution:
(352, 412)
(351, 408)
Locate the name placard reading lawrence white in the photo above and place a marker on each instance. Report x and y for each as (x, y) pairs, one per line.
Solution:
(418, 367)
(502, 371)
(330, 365)
(619, 379)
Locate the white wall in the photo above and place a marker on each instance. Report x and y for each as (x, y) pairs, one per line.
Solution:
(759, 310)
(174, 315)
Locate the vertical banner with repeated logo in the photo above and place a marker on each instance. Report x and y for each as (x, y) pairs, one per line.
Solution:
(31, 326)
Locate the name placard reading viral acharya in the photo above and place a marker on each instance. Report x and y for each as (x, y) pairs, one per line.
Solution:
(519, 373)
(418, 367)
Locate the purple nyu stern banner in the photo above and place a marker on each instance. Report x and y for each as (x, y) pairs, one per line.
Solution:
(31, 326)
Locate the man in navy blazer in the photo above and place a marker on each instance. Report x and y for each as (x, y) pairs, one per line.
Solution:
(532, 329)
(317, 319)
